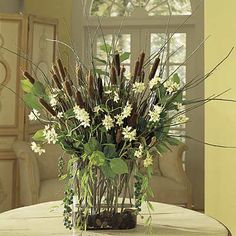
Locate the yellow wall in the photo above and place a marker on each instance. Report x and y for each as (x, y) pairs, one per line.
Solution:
(220, 164)
(59, 9)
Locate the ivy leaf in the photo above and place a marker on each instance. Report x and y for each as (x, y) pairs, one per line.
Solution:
(38, 89)
(26, 86)
(92, 146)
(176, 78)
(107, 171)
(98, 157)
(39, 136)
(118, 166)
(124, 56)
(106, 48)
(32, 101)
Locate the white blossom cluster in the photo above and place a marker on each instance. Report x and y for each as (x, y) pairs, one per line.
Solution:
(37, 148)
(171, 86)
(155, 113)
(82, 116)
(50, 134)
(129, 134)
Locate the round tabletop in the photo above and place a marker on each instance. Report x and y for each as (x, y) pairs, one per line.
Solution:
(46, 219)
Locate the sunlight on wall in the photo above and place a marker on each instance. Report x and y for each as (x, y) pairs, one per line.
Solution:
(220, 117)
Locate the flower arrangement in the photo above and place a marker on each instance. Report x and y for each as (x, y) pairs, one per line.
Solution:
(112, 127)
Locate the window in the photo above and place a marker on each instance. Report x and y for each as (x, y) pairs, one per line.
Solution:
(148, 7)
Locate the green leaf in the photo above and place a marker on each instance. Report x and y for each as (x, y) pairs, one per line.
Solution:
(38, 136)
(124, 56)
(119, 166)
(173, 141)
(107, 171)
(63, 177)
(100, 60)
(110, 151)
(26, 86)
(32, 101)
(98, 158)
(38, 89)
(176, 78)
(92, 146)
(101, 72)
(106, 48)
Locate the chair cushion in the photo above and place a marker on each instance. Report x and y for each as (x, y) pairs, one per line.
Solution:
(51, 190)
(171, 164)
(168, 191)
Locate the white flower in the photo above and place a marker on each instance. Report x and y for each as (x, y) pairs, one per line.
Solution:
(108, 122)
(60, 115)
(180, 106)
(50, 134)
(108, 92)
(55, 90)
(97, 109)
(154, 82)
(171, 86)
(116, 97)
(180, 119)
(127, 111)
(37, 149)
(128, 134)
(34, 115)
(148, 161)
(139, 152)
(119, 120)
(155, 114)
(138, 87)
(82, 116)
(53, 101)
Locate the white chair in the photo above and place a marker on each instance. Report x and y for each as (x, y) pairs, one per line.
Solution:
(170, 183)
(38, 174)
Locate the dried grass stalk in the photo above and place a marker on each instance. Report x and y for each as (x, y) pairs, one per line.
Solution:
(61, 69)
(154, 68)
(113, 75)
(29, 77)
(68, 89)
(47, 107)
(79, 100)
(117, 63)
(141, 61)
(90, 85)
(57, 81)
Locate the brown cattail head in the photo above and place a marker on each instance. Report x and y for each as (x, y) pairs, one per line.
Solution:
(118, 136)
(47, 107)
(68, 89)
(56, 72)
(113, 75)
(68, 76)
(122, 79)
(90, 85)
(117, 63)
(132, 120)
(141, 61)
(79, 100)
(154, 68)
(79, 74)
(29, 77)
(61, 69)
(136, 70)
(100, 88)
(142, 76)
(56, 81)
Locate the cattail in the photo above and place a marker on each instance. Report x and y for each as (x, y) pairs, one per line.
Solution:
(56, 81)
(118, 136)
(122, 79)
(61, 69)
(56, 72)
(117, 63)
(47, 107)
(132, 120)
(68, 76)
(100, 88)
(142, 76)
(154, 68)
(113, 75)
(79, 100)
(29, 77)
(63, 104)
(90, 85)
(68, 89)
(136, 70)
(79, 74)
(142, 56)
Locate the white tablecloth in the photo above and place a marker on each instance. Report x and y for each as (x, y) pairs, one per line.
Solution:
(46, 219)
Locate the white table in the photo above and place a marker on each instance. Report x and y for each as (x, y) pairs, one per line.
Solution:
(40, 220)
